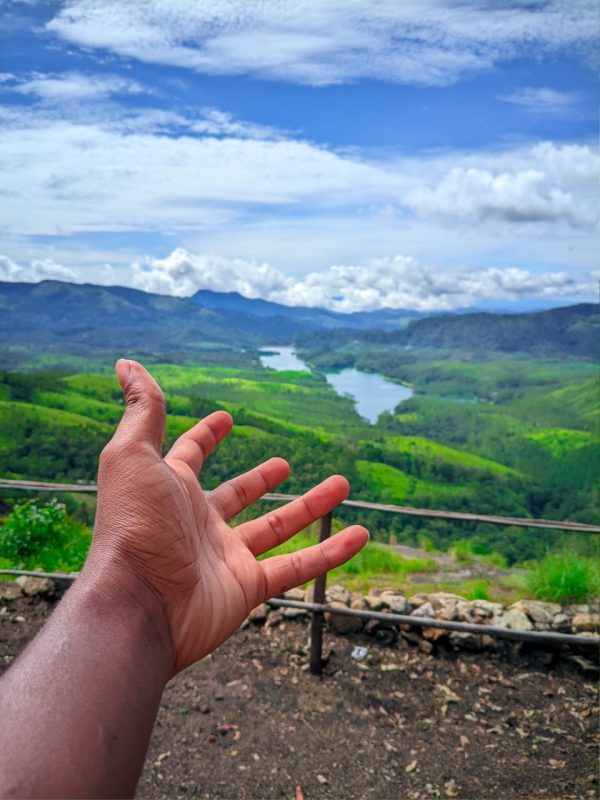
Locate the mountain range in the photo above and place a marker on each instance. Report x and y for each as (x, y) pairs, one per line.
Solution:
(86, 318)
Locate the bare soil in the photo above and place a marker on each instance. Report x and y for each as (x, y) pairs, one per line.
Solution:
(251, 722)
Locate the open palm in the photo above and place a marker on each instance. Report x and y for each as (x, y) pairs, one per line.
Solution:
(175, 537)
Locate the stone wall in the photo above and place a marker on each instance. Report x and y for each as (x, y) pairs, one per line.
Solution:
(525, 615)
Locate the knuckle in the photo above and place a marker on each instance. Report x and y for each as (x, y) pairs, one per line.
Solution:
(145, 396)
(276, 526)
(110, 454)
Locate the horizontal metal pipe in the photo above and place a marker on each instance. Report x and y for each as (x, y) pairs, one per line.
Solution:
(520, 522)
(538, 637)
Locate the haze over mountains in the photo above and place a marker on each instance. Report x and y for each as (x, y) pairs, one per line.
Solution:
(85, 318)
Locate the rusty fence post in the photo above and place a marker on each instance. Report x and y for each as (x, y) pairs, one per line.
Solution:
(316, 625)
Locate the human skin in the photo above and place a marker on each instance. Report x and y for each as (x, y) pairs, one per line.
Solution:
(166, 581)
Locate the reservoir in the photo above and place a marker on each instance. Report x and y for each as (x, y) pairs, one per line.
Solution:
(372, 393)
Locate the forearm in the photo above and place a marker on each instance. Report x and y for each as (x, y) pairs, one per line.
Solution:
(77, 708)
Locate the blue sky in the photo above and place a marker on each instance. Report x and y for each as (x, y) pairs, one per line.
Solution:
(429, 155)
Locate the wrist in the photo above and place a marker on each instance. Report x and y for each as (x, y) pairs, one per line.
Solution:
(110, 588)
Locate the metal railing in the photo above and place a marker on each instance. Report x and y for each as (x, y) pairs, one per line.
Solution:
(319, 607)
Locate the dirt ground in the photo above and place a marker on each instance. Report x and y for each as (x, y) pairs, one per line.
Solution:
(251, 722)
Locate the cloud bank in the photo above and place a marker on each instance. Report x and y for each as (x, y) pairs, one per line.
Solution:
(154, 170)
(400, 282)
(35, 271)
(320, 42)
(395, 282)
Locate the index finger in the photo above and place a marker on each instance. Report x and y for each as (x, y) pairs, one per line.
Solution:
(193, 447)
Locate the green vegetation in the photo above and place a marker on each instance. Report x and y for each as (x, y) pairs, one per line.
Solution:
(488, 431)
(42, 535)
(565, 578)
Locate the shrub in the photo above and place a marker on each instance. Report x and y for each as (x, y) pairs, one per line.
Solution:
(38, 534)
(564, 578)
(476, 589)
(463, 551)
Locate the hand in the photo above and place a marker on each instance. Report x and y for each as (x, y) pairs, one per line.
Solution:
(155, 525)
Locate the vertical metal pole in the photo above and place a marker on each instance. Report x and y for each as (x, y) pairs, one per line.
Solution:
(316, 625)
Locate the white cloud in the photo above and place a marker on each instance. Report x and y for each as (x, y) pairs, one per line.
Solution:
(35, 271)
(77, 86)
(160, 171)
(428, 42)
(477, 194)
(542, 100)
(398, 282)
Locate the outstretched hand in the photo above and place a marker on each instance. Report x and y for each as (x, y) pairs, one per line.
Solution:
(157, 527)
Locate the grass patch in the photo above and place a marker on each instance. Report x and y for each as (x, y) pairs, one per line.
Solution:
(564, 578)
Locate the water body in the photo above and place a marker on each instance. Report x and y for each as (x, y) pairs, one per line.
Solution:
(282, 359)
(372, 393)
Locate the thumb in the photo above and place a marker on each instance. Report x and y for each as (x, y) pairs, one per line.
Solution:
(144, 417)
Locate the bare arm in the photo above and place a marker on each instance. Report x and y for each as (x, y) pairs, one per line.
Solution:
(166, 581)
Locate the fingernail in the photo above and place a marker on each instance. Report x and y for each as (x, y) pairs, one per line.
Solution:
(123, 369)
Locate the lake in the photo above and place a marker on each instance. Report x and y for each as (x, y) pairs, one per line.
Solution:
(372, 393)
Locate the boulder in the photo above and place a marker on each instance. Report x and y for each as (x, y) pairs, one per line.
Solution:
(341, 623)
(10, 591)
(418, 599)
(515, 620)
(339, 594)
(561, 623)
(465, 641)
(537, 611)
(426, 610)
(449, 606)
(294, 594)
(586, 622)
(397, 603)
(486, 609)
(359, 603)
(33, 587)
(259, 614)
(377, 602)
(294, 613)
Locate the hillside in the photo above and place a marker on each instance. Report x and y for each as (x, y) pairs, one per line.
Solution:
(296, 318)
(87, 320)
(572, 331)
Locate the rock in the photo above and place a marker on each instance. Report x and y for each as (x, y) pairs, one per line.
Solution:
(385, 633)
(294, 594)
(341, 623)
(33, 587)
(397, 603)
(537, 611)
(10, 591)
(433, 634)
(586, 622)
(377, 603)
(561, 622)
(418, 599)
(274, 618)
(486, 609)
(574, 609)
(426, 610)
(446, 693)
(294, 613)
(449, 606)
(465, 641)
(338, 594)
(259, 614)
(515, 620)
(359, 603)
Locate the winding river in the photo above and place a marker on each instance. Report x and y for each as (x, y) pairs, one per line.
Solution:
(372, 393)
